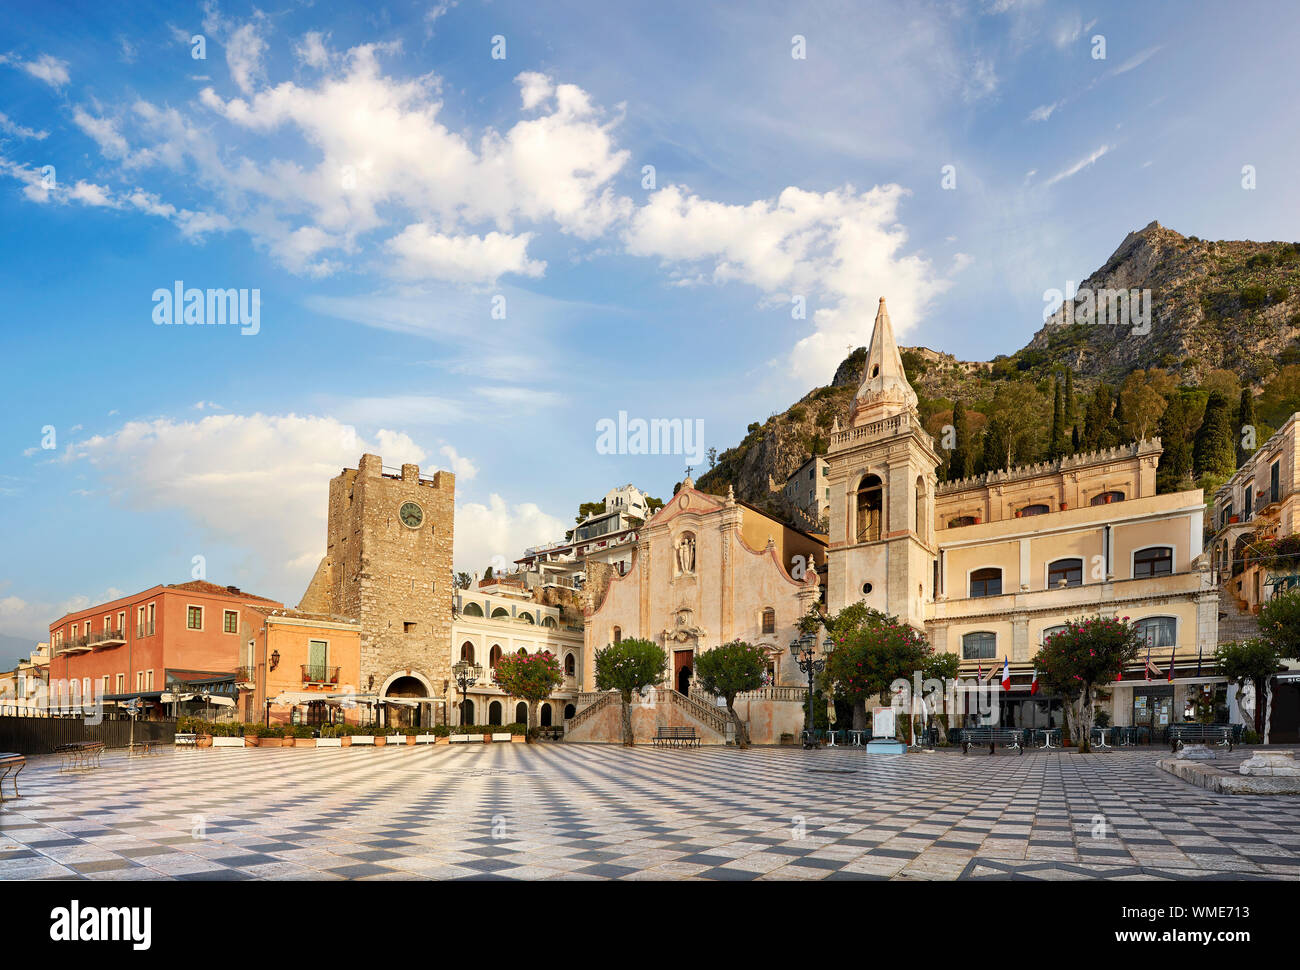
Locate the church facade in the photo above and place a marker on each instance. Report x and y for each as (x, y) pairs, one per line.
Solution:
(987, 567)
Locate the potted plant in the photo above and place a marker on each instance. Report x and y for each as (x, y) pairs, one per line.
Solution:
(442, 734)
(518, 733)
(380, 739)
(302, 737)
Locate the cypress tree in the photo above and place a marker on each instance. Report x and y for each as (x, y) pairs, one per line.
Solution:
(1246, 424)
(1115, 428)
(1215, 450)
(1074, 441)
(1176, 458)
(1070, 415)
(1057, 447)
(959, 466)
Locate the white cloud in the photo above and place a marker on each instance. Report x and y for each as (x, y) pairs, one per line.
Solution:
(1043, 111)
(422, 253)
(1078, 166)
(11, 127)
(1137, 59)
(256, 482)
(31, 618)
(485, 532)
(47, 68)
(463, 468)
(842, 248)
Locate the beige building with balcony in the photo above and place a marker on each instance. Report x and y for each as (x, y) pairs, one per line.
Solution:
(490, 624)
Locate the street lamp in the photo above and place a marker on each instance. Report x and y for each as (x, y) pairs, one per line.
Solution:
(466, 675)
(804, 651)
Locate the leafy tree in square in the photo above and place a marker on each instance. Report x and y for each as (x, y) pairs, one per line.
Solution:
(730, 669)
(531, 677)
(1076, 661)
(1279, 623)
(872, 650)
(1253, 661)
(630, 666)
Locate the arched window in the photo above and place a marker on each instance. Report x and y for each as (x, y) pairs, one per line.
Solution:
(1037, 509)
(1105, 498)
(521, 713)
(769, 620)
(618, 635)
(526, 618)
(986, 582)
(1051, 631)
(961, 520)
(1153, 561)
(522, 652)
(499, 612)
(467, 652)
(1158, 631)
(570, 666)
(1065, 572)
(494, 712)
(870, 509)
(467, 712)
(569, 711)
(545, 715)
(979, 646)
(548, 621)
(920, 505)
(472, 609)
(494, 656)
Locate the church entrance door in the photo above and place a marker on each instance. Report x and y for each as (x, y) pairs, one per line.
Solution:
(682, 672)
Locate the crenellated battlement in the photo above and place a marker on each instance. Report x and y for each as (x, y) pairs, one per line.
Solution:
(1137, 449)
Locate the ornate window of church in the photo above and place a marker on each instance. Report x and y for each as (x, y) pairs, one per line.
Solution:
(986, 582)
(870, 509)
(467, 652)
(570, 666)
(1153, 561)
(979, 646)
(769, 620)
(1065, 572)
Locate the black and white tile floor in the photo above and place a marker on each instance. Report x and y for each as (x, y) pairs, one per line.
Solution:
(558, 811)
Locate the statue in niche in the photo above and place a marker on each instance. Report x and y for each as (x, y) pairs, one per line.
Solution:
(686, 554)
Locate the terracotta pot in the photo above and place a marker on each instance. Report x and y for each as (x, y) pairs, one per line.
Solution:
(443, 741)
(1064, 506)
(345, 741)
(250, 740)
(410, 739)
(270, 742)
(381, 740)
(518, 738)
(304, 742)
(203, 741)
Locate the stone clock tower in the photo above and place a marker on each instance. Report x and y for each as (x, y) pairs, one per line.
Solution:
(882, 479)
(388, 565)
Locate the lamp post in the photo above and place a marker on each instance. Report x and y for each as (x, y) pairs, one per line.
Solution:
(804, 651)
(466, 675)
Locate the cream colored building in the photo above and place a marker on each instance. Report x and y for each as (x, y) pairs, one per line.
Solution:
(493, 622)
(23, 690)
(1261, 500)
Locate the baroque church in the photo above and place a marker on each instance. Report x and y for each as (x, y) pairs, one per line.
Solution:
(985, 566)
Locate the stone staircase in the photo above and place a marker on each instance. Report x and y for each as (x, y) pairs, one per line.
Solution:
(601, 720)
(1235, 622)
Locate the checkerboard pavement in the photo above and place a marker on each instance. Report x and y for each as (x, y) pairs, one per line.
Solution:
(557, 811)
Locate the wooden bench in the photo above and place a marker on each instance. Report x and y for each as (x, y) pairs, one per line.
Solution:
(1220, 734)
(79, 754)
(676, 737)
(185, 740)
(1007, 737)
(11, 761)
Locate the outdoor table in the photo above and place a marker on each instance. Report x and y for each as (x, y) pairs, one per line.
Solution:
(1048, 734)
(1100, 735)
(855, 738)
(831, 735)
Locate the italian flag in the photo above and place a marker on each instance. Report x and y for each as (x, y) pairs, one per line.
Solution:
(1033, 684)
(1006, 674)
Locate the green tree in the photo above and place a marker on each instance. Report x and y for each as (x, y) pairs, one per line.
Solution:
(1214, 452)
(586, 509)
(532, 677)
(960, 465)
(872, 651)
(1070, 413)
(630, 666)
(730, 669)
(1279, 623)
(464, 580)
(1254, 660)
(1076, 661)
(1175, 434)
(1056, 449)
(998, 446)
(487, 573)
(1246, 420)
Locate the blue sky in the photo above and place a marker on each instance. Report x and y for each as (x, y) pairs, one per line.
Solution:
(381, 178)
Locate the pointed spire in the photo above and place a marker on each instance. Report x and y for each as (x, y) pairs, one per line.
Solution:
(884, 391)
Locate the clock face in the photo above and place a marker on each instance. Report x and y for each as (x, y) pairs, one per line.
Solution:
(411, 515)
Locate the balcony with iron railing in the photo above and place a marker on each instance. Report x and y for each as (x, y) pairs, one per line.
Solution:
(246, 675)
(74, 645)
(108, 638)
(320, 674)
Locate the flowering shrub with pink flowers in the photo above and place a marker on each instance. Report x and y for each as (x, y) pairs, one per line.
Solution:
(1086, 654)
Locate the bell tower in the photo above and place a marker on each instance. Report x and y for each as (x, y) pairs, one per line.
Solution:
(882, 480)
